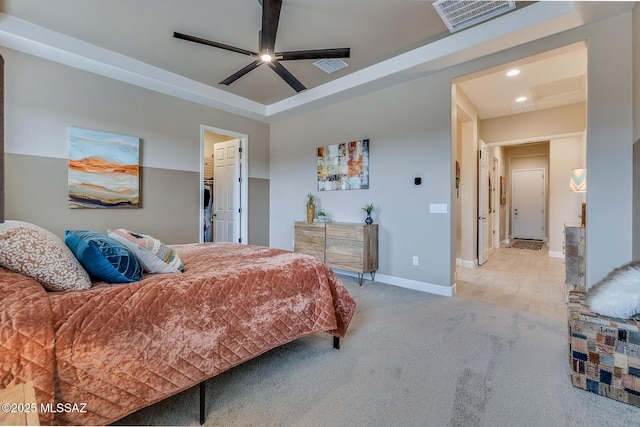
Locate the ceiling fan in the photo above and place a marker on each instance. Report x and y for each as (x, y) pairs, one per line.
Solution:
(266, 54)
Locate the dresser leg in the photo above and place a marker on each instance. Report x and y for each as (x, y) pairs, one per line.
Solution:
(336, 343)
(360, 276)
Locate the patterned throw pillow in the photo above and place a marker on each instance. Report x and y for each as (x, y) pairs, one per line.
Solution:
(155, 256)
(104, 258)
(38, 253)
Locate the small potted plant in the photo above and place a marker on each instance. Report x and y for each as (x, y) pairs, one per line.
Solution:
(322, 215)
(368, 209)
(311, 207)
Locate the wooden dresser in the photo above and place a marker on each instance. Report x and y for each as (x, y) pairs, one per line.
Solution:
(345, 246)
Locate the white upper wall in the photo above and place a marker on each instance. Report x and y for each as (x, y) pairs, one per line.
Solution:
(46, 98)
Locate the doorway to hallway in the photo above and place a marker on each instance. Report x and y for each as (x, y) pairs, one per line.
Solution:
(534, 134)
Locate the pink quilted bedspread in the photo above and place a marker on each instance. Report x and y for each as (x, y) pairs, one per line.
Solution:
(119, 348)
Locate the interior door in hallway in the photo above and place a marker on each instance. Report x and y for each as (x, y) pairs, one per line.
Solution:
(484, 204)
(226, 201)
(528, 204)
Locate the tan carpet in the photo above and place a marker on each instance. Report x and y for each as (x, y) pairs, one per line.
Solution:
(409, 359)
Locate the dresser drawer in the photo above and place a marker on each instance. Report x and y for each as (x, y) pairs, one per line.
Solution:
(345, 232)
(310, 239)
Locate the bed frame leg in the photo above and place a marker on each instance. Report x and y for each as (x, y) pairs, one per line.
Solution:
(336, 343)
(202, 401)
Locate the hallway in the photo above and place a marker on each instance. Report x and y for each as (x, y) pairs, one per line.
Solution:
(520, 279)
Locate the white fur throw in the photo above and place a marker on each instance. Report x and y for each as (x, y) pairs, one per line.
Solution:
(618, 294)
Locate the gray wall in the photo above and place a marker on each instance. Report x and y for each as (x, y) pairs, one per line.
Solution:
(258, 213)
(37, 193)
(1, 139)
(43, 99)
(410, 130)
(609, 147)
(636, 132)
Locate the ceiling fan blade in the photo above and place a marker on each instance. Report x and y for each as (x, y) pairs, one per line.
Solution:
(235, 76)
(212, 43)
(286, 75)
(342, 52)
(270, 19)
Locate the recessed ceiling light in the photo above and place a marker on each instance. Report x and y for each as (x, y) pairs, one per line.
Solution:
(521, 99)
(513, 72)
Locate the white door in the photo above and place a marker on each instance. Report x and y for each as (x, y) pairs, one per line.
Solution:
(226, 194)
(483, 204)
(528, 204)
(495, 197)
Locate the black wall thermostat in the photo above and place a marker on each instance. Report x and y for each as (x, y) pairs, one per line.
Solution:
(417, 180)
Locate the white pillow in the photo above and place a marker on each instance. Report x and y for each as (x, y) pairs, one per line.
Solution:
(155, 256)
(618, 294)
(38, 253)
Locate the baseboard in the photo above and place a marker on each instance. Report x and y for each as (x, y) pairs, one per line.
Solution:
(554, 254)
(446, 291)
(466, 263)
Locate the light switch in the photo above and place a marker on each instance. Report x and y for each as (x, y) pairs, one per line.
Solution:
(438, 208)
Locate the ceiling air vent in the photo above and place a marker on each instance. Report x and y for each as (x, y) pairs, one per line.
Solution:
(329, 65)
(459, 14)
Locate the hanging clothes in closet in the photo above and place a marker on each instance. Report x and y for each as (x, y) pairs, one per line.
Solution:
(207, 232)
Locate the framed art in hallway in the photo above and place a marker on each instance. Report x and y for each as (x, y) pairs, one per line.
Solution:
(344, 166)
(503, 190)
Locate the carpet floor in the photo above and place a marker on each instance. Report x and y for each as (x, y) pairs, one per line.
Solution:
(409, 359)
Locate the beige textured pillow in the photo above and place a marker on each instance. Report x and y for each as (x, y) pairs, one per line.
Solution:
(38, 253)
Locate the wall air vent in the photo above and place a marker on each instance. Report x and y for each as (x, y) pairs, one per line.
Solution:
(459, 14)
(329, 65)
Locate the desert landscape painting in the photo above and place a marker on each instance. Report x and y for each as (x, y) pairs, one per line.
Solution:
(104, 169)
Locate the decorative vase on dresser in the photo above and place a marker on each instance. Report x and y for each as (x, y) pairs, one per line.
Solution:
(311, 212)
(344, 246)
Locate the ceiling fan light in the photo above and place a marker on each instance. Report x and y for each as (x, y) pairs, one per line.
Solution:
(266, 57)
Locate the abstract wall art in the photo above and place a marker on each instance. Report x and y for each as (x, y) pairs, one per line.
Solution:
(104, 169)
(344, 166)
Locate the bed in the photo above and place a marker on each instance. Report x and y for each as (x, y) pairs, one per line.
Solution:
(114, 349)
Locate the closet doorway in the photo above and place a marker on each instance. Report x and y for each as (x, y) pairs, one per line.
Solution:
(223, 200)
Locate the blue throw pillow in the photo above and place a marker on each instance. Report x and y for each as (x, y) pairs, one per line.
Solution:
(104, 258)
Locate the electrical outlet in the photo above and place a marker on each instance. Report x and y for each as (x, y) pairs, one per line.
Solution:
(416, 261)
